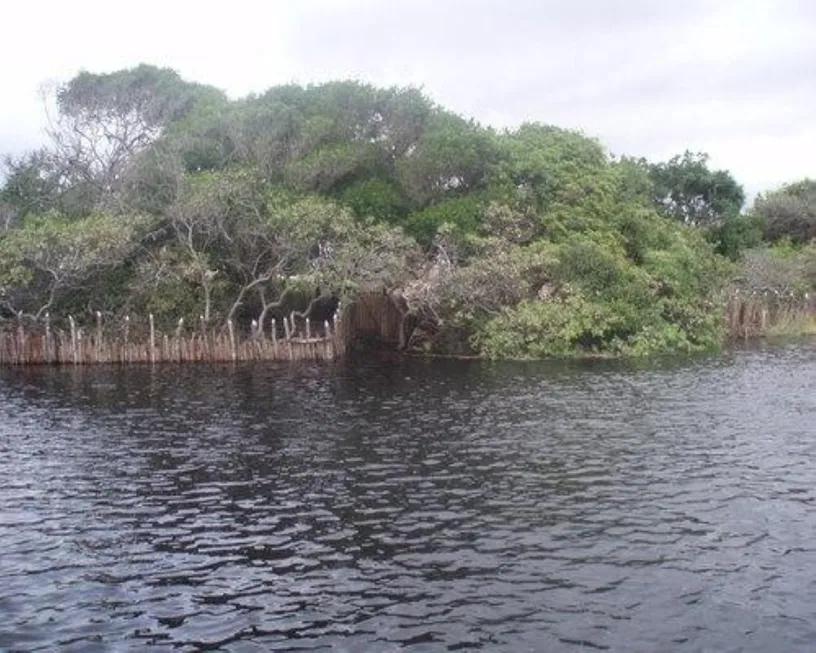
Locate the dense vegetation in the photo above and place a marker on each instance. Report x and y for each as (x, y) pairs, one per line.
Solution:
(158, 195)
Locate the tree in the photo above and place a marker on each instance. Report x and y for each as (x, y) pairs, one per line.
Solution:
(35, 184)
(524, 242)
(103, 120)
(49, 256)
(8, 216)
(452, 157)
(687, 190)
(203, 219)
(789, 212)
(542, 165)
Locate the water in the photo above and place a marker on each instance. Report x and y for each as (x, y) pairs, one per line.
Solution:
(667, 506)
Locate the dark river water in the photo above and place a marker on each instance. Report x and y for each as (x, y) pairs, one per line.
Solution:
(421, 506)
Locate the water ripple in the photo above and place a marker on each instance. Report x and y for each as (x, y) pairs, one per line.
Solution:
(421, 506)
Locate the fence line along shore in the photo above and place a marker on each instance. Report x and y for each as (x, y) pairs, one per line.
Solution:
(294, 338)
(289, 340)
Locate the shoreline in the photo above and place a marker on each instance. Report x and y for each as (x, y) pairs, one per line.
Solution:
(322, 351)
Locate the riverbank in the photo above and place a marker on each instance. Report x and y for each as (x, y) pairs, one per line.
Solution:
(747, 317)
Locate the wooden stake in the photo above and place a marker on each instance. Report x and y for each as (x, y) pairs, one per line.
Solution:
(74, 351)
(126, 354)
(233, 347)
(178, 338)
(152, 340)
(204, 341)
(48, 345)
(98, 336)
(21, 339)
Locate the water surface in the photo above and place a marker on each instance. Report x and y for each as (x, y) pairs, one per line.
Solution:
(419, 506)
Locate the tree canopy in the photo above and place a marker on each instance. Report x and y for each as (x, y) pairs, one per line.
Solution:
(156, 194)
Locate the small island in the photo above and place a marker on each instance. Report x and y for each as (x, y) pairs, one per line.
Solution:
(164, 221)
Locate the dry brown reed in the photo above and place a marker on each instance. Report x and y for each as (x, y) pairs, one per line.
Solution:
(750, 315)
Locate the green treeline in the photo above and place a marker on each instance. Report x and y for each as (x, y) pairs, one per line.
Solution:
(155, 195)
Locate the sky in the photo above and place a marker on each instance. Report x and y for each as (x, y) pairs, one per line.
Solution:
(733, 78)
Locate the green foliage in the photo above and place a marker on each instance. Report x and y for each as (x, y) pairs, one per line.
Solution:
(376, 198)
(153, 180)
(50, 255)
(789, 212)
(601, 299)
(30, 186)
(525, 243)
(451, 158)
(543, 165)
(464, 215)
(576, 325)
(330, 168)
(736, 234)
(686, 190)
(154, 96)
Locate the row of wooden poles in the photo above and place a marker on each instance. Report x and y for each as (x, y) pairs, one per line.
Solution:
(746, 316)
(79, 346)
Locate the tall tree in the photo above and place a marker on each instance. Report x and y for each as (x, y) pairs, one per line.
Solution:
(789, 212)
(103, 120)
(687, 190)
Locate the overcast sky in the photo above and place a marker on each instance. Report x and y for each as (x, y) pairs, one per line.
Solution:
(734, 78)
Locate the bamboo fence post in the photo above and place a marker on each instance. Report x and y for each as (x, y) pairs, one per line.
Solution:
(288, 329)
(126, 358)
(204, 346)
(152, 339)
(253, 339)
(329, 348)
(91, 344)
(98, 343)
(178, 338)
(47, 349)
(338, 328)
(21, 339)
(233, 348)
(73, 338)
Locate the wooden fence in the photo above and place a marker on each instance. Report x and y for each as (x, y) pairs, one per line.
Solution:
(372, 316)
(75, 345)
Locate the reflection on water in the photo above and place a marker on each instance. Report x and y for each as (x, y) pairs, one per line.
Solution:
(422, 505)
